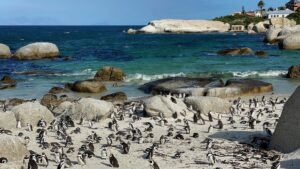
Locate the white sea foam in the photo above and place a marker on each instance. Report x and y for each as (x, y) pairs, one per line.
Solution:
(144, 77)
(270, 73)
(85, 72)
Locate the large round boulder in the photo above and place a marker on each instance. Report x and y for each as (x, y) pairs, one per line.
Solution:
(249, 86)
(32, 112)
(4, 51)
(272, 35)
(165, 105)
(108, 73)
(63, 107)
(91, 109)
(57, 90)
(12, 148)
(88, 86)
(115, 97)
(260, 27)
(291, 42)
(207, 104)
(282, 22)
(7, 120)
(178, 85)
(38, 50)
(294, 72)
(50, 100)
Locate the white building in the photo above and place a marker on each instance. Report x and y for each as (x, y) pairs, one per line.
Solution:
(278, 13)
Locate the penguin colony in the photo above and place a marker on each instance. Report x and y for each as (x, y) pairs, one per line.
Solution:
(128, 139)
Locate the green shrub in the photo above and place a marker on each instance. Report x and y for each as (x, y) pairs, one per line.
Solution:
(239, 19)
(295, 16)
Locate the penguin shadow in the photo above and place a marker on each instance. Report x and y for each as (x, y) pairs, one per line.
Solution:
(290, 164)
(236, 135)
(106, 164)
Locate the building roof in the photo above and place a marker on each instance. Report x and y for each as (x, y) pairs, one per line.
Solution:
(279, 12)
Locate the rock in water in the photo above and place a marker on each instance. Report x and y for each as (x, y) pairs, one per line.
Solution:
(4, 52)
(207, 104)
(294, 72)
(181, 85)
(32, 112)
(7, 82)
(249, 86)
(182, 26)
(110, 74)
(160, 104)
(115, 97)
(7, 120)
(287, 133)
(57, 90)
(236, 51)
(12, 148)
(291, 42)
(38, 50)
(272, 35)
(261, 53)
(88, 86)
(91, 109)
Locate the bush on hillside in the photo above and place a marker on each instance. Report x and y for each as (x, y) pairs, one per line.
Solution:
(295, 16)
(239, 19)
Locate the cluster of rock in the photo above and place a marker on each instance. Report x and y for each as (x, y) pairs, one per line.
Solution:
(206, 87)
(95, 85)
(241, 51)
(262, 27)
(182, 26)
(33, 51)
(7, 82)
(294, 72)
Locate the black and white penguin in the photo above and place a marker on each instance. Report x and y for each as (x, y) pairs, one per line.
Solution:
(44, 160)
(3, 160)
(113, 161)
(62, 164)
(29, 127)
(80, 159)
(19, 126)
(211, 158)
(210, 118)
(32, 163)
(276, 165)
(209, 143)
(125, 147)
(153, 164)
(104, 153)
(91, 146)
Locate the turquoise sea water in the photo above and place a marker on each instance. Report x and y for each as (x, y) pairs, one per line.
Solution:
(142, 57)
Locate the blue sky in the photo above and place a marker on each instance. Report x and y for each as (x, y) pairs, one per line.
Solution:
(116, 12)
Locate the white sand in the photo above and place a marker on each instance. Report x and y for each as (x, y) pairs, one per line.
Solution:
(226, 142)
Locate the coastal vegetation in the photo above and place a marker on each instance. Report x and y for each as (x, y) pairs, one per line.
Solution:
(295, 16)
(239, 19)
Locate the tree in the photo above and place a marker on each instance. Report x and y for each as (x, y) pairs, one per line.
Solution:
(261, 5)
(281, 8)
(271, 9)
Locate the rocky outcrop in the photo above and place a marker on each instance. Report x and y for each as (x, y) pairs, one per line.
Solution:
(236, 51)
(109, 74)
(182, 26)
(160, 104)
(249, 86)
(286, 136)
(207, 104)
(17, 101)
(32, 112)
(12, 148)
(7, 120)
(57, 90)
(294, 72)
(7, 82)
(260, 27)
(38, 50)
(88, 86)
(282, 22)
(291, 42)
(4, 51)
(115, 97)
(91, 109)
(180, 85)
(272, 35)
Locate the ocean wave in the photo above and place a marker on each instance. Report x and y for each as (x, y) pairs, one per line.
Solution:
(143, 77)
(138, 77)
(85, 72)
(270, 73)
